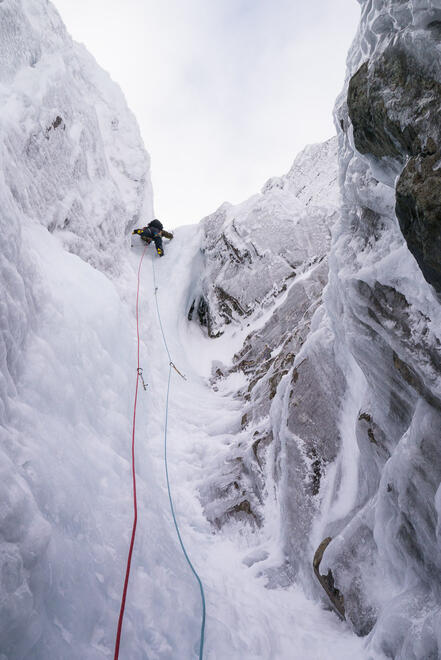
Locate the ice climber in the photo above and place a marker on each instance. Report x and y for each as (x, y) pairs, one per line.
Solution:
(154, 232)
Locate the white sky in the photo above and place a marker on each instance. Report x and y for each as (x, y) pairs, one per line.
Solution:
(226, 92)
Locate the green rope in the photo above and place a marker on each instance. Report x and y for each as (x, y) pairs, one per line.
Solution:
(171, 365)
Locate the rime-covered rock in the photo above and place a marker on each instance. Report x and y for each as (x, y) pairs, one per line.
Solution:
(265, 270)
(383, 501)
(338, 448)
(316, 439)
(393, 104)
(277, 234)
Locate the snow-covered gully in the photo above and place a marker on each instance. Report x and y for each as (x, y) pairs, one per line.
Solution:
(245, 619)
(304, 446)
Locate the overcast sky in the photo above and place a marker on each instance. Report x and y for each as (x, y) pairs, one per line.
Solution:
(226, 92)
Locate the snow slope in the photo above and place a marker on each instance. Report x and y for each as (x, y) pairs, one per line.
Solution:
(66, 506)
(245, 619)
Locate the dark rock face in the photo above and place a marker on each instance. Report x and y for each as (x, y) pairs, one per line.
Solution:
(349, 581)
(201, 308)
(374, 132)
(394, 104)
(418, 208)
(380, 96)
(327, 581)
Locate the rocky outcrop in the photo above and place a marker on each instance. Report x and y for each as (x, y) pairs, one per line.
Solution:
(265, 271)
(418, 208)
(393, 103)
(254, 250)
(380, 495)
(339, 367)
(327, 581)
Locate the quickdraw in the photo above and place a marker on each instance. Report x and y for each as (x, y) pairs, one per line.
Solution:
(177, 370)
(139, 370)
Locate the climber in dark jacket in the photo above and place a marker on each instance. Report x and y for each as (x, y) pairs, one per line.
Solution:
(154, 232)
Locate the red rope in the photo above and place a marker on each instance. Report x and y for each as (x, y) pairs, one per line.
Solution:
(135, 504)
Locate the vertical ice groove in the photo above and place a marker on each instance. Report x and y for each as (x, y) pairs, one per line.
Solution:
(347, 463)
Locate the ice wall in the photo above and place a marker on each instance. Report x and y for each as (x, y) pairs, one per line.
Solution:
(71, 153)
(336, 458)
(74, 177)
(381, 504)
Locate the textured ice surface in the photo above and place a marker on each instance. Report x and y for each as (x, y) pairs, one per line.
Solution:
(339, 437)
(386, 317)
(254, 249)
(72, 157)
(265, 268)
(74, 173)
